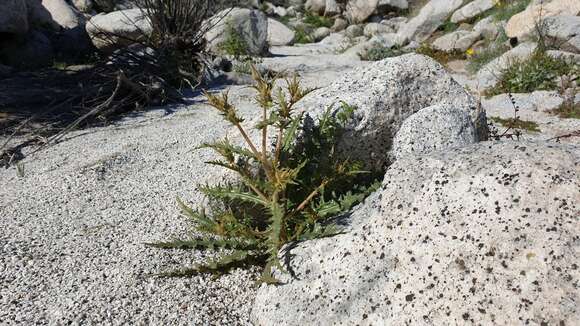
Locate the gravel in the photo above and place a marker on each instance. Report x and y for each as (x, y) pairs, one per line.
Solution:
(73, 228)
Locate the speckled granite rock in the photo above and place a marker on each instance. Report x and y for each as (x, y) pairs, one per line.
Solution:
(431, 16)
(486, 234)
(434, 128)
(456, 41)
(386, 93)
(251, 25)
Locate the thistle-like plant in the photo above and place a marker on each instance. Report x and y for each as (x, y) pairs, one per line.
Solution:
(291, 184)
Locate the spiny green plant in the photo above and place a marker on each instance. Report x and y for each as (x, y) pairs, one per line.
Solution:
(506, 9)
(538, 72)
(317, 21)
(243, 65)
(448, 26)
(517, 124)
(290, 187)
(302, 35)
(234, 44)
(379, 52)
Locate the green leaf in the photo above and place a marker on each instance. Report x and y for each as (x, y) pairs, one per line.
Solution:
(291, 134)
(198, 217)
(220, 266)
(205, 244)
(233, 194)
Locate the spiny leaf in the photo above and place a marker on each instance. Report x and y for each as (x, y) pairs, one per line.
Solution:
(290, 134)
(211, 244)
(226, 149)
(198, 217)
(220, 266)
(233, 194)
(222, 104)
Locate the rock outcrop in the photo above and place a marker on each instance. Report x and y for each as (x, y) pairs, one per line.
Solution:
(386, 93)
(13, 17)
(523, 25)
(118, 29)
(565, 31)
(357, 11)
(456, 41)
(250, 25)
(434, 128)
(472, 10)
(431, 16)
(279, 34)
(486, 234)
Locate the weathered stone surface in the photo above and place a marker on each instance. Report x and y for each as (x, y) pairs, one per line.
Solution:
(569, 56)
(85, 6)
(30, 51)
(488, 28)
(331, 8)
(5, 71)
(431, 16)
(62, 13)
(565, 30)
(339, 24)
(386, 93)
(539, 101)
(471, 10)
(389, 4)
(354, 31)
(315, 6)
(489, 75)
(39, 16)
(320, 33)
(372, 29)
(486, 234)
(279, 34)
(13, 17)
(456, 41)
(117, 29)
(395, 23)
(522, 25)
(357, 11)
(251, 25)
(434, 128)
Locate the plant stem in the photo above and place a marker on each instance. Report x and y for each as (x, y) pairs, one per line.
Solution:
(311, 196)
(259, 156)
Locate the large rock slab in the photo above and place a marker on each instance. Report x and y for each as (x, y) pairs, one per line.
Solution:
(456, 41)
(523, 25)
(434, 128)
(357, 11)
(488, 28)
(279, 34)
(486, 234)
(251, 25)
(431, 16)
(118, 29)
(386, 93)
(472, 10)
(13, 17)
(565, 30)
(315, 6)
(389, 4)
(372, 29)
(62, 13)
(30, 51)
